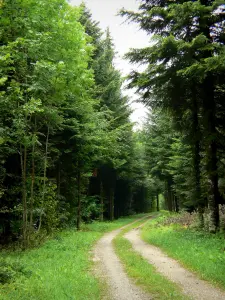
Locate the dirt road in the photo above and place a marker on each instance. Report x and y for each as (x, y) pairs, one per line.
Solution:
(191, 285)
(120, 287)
(110, 268)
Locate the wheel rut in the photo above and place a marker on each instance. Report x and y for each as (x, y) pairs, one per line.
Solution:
(111, 270)
(191, 285)
(120, 287)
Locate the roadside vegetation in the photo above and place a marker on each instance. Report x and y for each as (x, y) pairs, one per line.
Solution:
(59, 269)
(196, 249)
(143, 273)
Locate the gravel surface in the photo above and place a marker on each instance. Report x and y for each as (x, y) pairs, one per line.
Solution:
(190, 283)
(109, 267)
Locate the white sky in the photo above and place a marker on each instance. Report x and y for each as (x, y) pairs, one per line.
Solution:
(125, 36)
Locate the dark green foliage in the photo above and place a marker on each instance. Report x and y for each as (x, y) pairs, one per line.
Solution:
(169, 160)
(114, 183)
(184, 74)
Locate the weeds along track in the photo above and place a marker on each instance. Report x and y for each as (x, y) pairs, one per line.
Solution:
(191, 285)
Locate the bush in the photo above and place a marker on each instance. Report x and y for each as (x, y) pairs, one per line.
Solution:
(184, 219)
(192, 219)
(222, 218)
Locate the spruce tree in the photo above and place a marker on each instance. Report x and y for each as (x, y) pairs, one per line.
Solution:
(182, 73)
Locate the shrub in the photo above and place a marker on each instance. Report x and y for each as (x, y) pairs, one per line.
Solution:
(184, 219)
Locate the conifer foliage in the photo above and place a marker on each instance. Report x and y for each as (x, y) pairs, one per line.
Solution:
(184, 75)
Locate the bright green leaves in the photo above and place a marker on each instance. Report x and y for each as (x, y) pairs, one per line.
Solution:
(46, 106)
(3, 80)
(33, 106)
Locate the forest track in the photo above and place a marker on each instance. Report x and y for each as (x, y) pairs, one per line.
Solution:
(191, 285)
(109, 267)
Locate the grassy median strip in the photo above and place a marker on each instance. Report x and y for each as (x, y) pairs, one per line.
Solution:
(199, 251)
(143, 273)
(60, 269)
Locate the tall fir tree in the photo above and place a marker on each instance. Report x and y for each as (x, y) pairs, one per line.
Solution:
(182, 74)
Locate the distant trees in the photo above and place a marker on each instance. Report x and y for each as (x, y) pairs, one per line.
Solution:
(184, 74)
(169, 160)
(115, 176)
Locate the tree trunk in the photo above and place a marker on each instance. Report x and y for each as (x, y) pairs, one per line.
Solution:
(111, 201)
(58, 181)
(23, 161)
(32, 187)
(213, 188)
(201, 216)
(169, 196)
(199, 201)
(44, 182)
(209, 115)
(211, 154)
(31, 195)
(176, 205)
(78, 200)
(101, 202)
(157, 202)
(197, 158)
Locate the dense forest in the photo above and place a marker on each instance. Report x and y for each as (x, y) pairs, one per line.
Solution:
(68, 150)
(67, 147)
(183, 85)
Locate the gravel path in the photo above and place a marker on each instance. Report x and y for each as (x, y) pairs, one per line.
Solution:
(110, 268)
(190, 284)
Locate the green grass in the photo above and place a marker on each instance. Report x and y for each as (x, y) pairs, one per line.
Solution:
(143, 273)
(200, 252)
(60, 269)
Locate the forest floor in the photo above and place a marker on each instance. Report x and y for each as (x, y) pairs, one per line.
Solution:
(185, 284)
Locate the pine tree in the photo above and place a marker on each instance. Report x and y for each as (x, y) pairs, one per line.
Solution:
(182, 63)
(115, 165)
